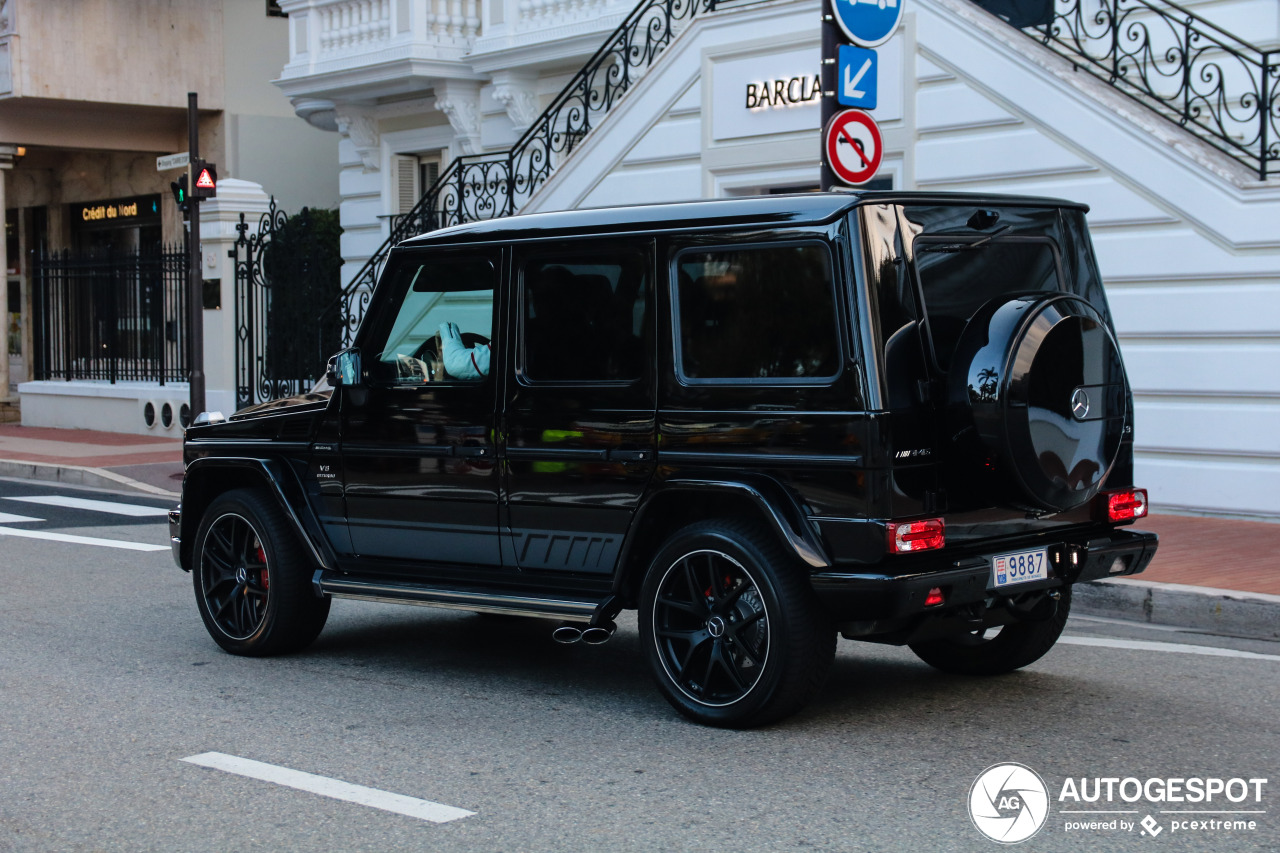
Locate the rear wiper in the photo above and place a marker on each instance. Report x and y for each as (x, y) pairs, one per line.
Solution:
(964, 247)
(987, 239)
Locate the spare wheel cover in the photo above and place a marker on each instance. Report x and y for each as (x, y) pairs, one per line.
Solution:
(1044, 382)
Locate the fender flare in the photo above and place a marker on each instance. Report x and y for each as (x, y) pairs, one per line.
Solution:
(281, 483)
(775, 503)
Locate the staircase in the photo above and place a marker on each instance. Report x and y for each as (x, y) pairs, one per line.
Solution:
(1188, 70)
(1175, 63)
(490, 185)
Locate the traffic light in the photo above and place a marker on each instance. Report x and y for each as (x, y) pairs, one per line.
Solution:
(205, 179)
(180, 194)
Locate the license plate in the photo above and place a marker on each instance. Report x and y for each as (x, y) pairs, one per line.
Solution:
(1022, 567)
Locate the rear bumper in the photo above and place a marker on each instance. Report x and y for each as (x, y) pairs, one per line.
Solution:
(964, 578)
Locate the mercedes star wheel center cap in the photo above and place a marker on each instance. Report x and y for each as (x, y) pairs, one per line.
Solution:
(715, 626)
(241, 575)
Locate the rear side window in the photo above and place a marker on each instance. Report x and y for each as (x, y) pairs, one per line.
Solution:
(584, 316)
(959, 276)
(756, 314)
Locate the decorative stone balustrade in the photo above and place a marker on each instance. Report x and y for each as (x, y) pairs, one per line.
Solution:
(538, 13)
(353, 25)
(326, 30)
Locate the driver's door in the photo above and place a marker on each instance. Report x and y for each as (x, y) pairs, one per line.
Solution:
(421, 479)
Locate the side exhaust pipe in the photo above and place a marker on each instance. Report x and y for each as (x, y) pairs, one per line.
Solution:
(567, 634)
(599, 634)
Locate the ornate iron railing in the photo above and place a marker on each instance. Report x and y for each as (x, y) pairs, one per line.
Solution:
(1194, 73)
(277, 271)
(486, 186)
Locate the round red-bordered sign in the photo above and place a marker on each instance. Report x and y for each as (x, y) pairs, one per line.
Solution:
(853, 146)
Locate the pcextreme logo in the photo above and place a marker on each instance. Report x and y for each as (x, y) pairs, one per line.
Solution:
(1009, 803)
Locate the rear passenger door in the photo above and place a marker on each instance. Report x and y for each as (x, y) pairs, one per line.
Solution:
(579, 419)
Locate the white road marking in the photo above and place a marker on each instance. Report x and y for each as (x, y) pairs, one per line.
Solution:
(1176, 648)
(113, 507)
(80, 540)
(6, 518)
(333, 788)
(1146, 626)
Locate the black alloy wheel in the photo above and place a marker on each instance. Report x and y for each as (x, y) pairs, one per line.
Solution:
(252, 578)
(732, 630)
(235, 577)
(712, 628)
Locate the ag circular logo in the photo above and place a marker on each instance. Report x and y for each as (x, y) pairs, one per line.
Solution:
(1008, 803)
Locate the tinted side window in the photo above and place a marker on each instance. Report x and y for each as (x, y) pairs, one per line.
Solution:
(441, 323)
(757, 313)
(584, 315)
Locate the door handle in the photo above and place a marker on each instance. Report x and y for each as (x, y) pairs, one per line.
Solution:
(470, 452)
(630, 455)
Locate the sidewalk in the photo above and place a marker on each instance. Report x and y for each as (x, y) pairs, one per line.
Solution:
(1210, 573)
(91, 458)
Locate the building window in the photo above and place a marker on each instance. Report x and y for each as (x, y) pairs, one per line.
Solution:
(428, 173)
(274, 10)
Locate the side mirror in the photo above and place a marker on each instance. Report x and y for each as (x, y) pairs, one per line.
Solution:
(343, 368)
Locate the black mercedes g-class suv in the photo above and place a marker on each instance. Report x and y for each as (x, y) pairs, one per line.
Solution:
(899, 417)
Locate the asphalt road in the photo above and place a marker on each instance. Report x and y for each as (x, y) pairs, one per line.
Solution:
(108, 680)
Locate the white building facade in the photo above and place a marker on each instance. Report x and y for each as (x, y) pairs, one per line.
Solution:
(1187, 237)
(92, 93)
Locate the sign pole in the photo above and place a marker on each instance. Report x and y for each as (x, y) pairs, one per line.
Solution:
(830, 47)
(195, 290)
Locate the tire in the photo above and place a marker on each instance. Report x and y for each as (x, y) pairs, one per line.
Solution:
(1015, 646)
(731, 629)
(252, 579)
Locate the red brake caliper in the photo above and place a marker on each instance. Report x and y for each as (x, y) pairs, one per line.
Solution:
(262, 558)
(728, 582)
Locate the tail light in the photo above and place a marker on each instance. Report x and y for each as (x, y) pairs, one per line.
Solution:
(908, 537)
(1125, 505)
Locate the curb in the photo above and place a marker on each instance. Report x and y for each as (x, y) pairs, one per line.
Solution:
(76, 475)
(1223, 611)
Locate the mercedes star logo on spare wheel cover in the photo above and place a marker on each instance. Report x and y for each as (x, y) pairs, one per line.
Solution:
(1080, 404)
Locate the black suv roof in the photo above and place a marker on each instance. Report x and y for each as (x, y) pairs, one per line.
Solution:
(767, 210)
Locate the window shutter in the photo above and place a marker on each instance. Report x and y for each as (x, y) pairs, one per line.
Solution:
(406, 183)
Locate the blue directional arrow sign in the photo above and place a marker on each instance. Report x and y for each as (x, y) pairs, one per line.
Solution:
(868, 22)
(856, 83)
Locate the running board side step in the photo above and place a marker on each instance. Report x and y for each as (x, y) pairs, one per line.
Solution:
(565, 609)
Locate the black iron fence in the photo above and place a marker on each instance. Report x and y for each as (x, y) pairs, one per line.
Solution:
(487, 186)
(284, 269)
(111, 316)
(1216, 85)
